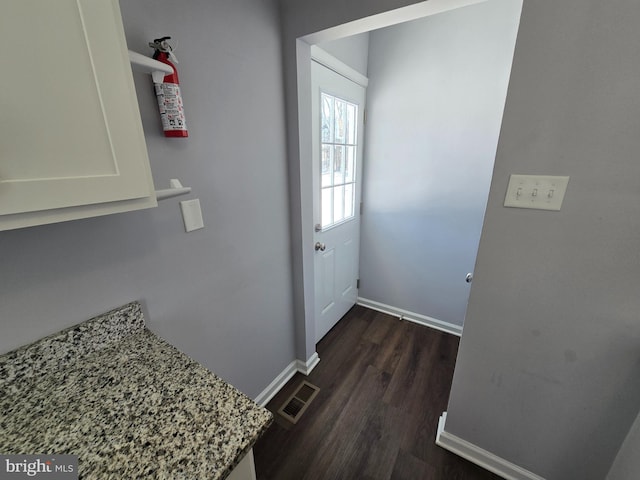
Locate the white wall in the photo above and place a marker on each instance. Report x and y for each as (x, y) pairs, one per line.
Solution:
(436, 94)
(352, 50)
(222, 294)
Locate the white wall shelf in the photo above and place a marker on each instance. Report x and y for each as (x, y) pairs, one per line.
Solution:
(175, 189)
(157, 69)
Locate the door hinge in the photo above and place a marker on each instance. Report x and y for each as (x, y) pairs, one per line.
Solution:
(358, 283)
(364, 119)
(360, 208)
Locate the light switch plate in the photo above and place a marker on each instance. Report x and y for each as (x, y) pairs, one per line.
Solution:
(192, 215)
(542, 192)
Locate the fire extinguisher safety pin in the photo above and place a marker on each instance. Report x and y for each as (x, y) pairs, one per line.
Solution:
(161, 45)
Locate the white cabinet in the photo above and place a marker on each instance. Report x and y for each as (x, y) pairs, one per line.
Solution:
(71, 139)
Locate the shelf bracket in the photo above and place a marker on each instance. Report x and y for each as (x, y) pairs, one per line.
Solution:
(175, 189)
(157, 69)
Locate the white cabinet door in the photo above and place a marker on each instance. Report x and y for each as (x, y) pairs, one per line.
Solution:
(71, 139)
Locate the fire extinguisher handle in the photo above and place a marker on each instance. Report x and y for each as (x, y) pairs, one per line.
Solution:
(161, 45)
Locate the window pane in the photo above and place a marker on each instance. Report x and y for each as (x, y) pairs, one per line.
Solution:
(338, 160)
(348, 201)
(340, 120)
(338, 165)
(326, 165)
(338, 204)
(351, 123)
(349, 169)
(326, 207)
(327, 118)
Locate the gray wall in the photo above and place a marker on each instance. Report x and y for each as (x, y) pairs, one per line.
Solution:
(549, 361)
(222, 294)
(550, 356)
(299, 18)
(352, 50)
(548, 368)
(437, 88)
(627, 463)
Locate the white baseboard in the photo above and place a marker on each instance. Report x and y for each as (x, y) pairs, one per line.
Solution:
(305, 368)
(412, 317)
(281, 380)
(479, 456)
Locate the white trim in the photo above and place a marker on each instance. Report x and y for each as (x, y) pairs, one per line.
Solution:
(479, 456)
(430, 322)
(305, 368)
(386, 19)
(287, 374)
(332, 63)
(280, 381)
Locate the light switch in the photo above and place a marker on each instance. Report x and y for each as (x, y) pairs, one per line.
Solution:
(543, 192)
(192, 215)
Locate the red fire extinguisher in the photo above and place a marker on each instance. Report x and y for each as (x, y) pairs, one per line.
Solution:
(168, 92)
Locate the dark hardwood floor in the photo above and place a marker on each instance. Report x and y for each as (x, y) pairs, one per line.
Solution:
(383, 385)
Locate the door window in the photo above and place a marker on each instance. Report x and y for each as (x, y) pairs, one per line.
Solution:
(338, 150)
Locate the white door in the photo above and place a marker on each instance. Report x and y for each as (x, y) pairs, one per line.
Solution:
(338, 113)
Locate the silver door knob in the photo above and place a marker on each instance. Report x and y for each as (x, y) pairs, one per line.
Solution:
(320, 246)
(469, 278)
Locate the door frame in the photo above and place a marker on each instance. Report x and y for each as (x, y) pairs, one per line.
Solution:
(300, 156)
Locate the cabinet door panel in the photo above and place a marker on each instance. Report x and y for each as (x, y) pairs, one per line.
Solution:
(70, 131)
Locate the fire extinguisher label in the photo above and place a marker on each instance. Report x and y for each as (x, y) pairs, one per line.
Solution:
(170, 105)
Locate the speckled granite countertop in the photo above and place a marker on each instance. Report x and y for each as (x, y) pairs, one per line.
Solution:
(126, 402)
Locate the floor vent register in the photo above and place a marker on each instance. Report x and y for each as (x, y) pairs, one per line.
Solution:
(298, 402)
